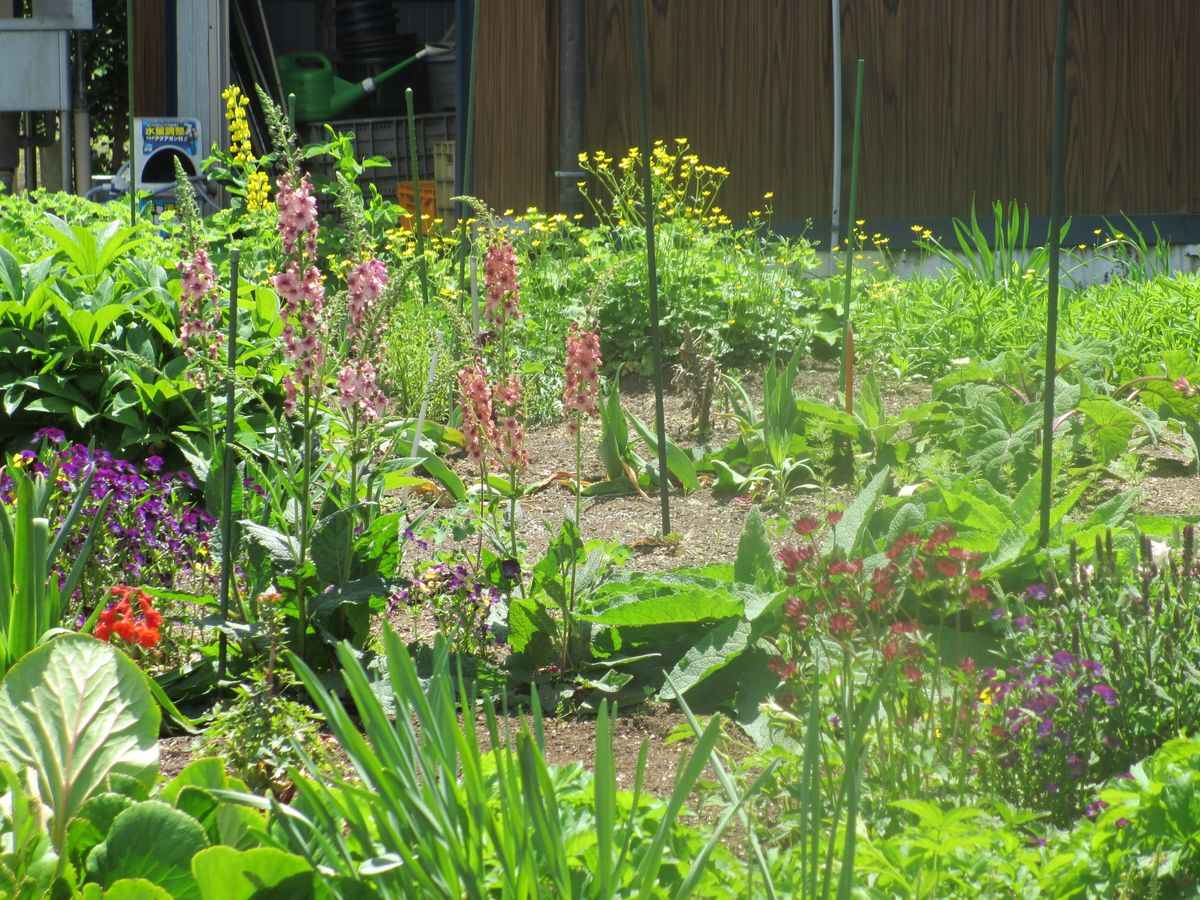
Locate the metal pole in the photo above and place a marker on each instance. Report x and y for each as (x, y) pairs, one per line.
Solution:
(31, 166)
(571, 50)
(414, 165)
(65, 154)
(660, 426)
(83, 128)
(1058, 144)
(130, 55)
(836, 213)
(227, 467)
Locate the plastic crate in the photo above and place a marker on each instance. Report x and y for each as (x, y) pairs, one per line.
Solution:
(404, 196)
(443, 175)
(387, 138)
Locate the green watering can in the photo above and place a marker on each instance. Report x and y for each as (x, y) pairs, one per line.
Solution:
(321, 95)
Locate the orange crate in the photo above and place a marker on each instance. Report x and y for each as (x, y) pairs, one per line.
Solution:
(404, 196)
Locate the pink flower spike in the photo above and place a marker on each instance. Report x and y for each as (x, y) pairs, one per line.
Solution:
(478, 427)
(582, 376)
(503, 293)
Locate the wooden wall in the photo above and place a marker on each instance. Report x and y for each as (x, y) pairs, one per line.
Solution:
(956, 106)
(516, 119)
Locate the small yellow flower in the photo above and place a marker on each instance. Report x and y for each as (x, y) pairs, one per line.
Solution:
(769, 195)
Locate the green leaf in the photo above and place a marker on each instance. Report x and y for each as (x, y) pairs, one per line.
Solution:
(529, 632)
(152, 841)
(850, 530)
(677, 461)
(663, 604)
(1110, 426)
(223, 873)
(719, 646)
(78, 712)
(135, 889)
(445, 476)
(614, 433)
(754, 550)
(331, 546)
(284, 550)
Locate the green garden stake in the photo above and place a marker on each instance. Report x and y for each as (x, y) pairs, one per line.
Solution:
(227, 468)
(129, 67)
(660, 426)
(1058, 141)
(847, 375)
(291, 113)
(414, 165)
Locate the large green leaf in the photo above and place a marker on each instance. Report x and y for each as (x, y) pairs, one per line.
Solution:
(754, 550)
(723, 643)
(849, 532)
(152, 841)
(1109, 426)
(223, 873)
(77, 711)
(663, 601)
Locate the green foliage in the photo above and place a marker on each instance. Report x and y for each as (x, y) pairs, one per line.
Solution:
(459, 820)
(32, 597)
(80, 714)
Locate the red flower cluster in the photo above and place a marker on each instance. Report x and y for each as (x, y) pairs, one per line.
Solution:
(140, 626)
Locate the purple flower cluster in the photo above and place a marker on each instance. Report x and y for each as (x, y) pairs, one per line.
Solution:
(459, 602)
(151, 530)
(1046, 724)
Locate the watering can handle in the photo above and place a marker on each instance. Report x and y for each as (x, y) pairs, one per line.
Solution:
(306, 61)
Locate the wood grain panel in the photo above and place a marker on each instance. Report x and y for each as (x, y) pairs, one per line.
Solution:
(515, 105)
(1136, 109)
(957, 105)
(747, 83)
(149, 98)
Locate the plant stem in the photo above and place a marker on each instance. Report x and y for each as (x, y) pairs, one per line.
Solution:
(305, 509)
(569, 610)
(352, 499)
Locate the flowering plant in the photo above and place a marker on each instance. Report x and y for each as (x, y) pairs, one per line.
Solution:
(1044, 737)
(852, 636)
(130, 617)
(1131, 618)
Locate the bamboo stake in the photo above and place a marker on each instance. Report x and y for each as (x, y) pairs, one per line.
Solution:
(1058, 142)
(660, 426)
(414, 166)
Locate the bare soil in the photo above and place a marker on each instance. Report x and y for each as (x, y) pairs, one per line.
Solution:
(705, 529)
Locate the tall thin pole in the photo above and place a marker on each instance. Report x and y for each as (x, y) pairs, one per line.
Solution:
(415, 167)
(130, 55)
(836, 212)
(660, 425)
(227, 467)
(847, 334)
(1058, 142)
